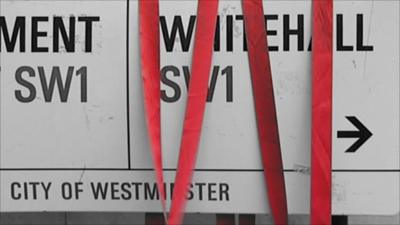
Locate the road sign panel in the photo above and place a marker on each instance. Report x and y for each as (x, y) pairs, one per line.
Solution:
(72, 130)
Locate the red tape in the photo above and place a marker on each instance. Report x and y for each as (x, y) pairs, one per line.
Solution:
(150, 69)
(198, 87)
(321, 146)
(267, 124)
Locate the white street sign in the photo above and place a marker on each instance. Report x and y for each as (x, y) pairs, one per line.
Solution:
(72, 127)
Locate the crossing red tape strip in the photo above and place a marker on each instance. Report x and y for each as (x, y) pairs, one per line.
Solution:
(198, 87)
(321, 146)
(150, 69)
(264, 101)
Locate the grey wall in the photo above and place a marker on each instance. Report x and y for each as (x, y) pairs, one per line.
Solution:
(69, 218)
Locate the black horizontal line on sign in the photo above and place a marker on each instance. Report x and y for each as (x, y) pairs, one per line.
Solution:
(198, 170)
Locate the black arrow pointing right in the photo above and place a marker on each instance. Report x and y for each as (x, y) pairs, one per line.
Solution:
(363, 134)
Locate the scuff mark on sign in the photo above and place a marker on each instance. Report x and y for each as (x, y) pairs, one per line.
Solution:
(83, 173)
(301, 169)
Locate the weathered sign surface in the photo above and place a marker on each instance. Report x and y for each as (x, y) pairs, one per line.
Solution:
(72, 128)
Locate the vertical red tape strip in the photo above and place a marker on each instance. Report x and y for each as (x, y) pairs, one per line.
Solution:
(264, 101)
(321, 146)
(198, 87)
(150, 69)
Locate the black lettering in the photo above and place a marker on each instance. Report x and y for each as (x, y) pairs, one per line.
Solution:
(200, 185)
(99, 191)
(136, 186)
(217, 37)
(46, 189)
(78, 189)
(126, 194)
(299, 32)
(83, 73)
(190, 195)
(212, 85)
(26, 191)
(150, 192)
(36, 33)
(360, 35)
(20, 80)
(48, 89)
(340, 35)
(59, 28)
(228, 71)
(171, 189)
(229, 33)
(211, 89)
(18, 31)
(271, 32)
(309, 48)
(224, 192)
(212, 192)
(114, 191)
(177, 26)
(66, 190)
(88, 20)
(186, 74)
(175, 87)
(34, 189)
(14, 194)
